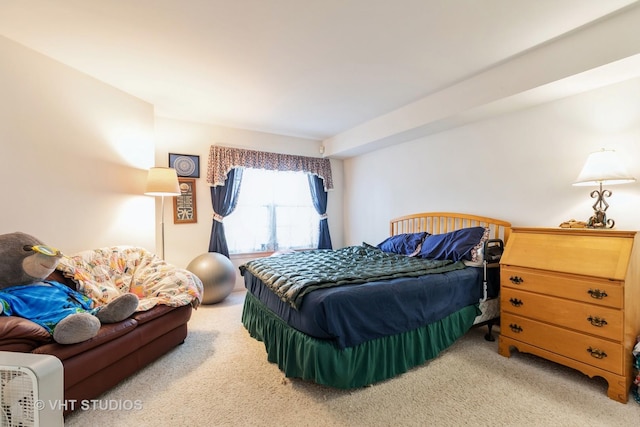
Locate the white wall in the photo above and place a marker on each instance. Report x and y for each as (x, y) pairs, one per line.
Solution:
(74, 154)
(184, 242)
(518, 167)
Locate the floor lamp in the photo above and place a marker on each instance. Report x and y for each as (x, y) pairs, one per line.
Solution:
(162, 182)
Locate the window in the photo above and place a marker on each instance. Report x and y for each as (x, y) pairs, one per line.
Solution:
(274, 212)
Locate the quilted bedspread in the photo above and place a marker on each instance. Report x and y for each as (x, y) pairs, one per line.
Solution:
(292, 276)
(105, 273)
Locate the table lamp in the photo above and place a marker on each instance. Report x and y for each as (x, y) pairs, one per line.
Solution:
(602, 167)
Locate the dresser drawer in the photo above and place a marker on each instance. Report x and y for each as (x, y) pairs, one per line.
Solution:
(603, 292)
(593, 351)
(593, 319)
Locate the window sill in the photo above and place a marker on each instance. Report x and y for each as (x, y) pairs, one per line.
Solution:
(260, 254)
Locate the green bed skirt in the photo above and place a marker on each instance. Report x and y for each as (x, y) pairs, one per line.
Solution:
(301, 356)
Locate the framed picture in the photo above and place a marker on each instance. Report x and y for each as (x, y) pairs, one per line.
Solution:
(184, 205)
(185, 165)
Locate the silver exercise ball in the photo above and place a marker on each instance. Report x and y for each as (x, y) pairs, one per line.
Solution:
(217, 273)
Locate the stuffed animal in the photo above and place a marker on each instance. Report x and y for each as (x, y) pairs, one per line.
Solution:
(25, 263)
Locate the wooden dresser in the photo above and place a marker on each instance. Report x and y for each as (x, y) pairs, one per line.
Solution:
(573, 296)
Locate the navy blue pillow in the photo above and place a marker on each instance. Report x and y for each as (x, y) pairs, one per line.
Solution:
(403, 244)
(454, 246)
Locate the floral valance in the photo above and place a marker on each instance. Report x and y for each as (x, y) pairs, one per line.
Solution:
(223, 159)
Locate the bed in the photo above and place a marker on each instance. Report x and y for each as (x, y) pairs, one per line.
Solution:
(358, 315)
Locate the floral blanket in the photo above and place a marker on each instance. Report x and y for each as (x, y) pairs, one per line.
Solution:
(103, 274)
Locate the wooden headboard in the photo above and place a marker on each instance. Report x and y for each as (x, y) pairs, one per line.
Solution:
(443, 222)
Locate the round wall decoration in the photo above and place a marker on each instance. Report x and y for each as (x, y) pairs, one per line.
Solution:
(185, 166)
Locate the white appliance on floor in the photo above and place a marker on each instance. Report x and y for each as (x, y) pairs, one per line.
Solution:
(31, 390)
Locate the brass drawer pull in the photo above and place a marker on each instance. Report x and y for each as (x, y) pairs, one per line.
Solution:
(516, 280)
(515, 328)
(596, 321)
(598, 354)
(515, 302)
(597, 293)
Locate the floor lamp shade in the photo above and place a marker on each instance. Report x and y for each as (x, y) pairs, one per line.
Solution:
(162, 182)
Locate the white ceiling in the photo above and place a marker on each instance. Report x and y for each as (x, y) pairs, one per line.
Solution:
(309, 68)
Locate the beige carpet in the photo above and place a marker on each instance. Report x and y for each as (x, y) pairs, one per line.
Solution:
(220, 377)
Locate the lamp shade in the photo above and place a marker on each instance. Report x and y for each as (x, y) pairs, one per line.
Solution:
(603, 167)
(162, 182)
